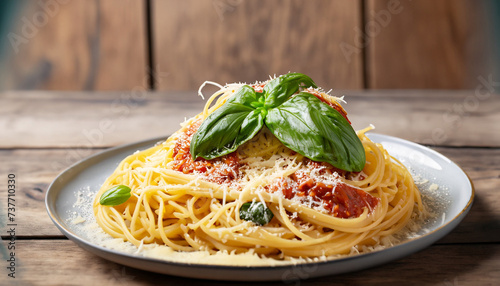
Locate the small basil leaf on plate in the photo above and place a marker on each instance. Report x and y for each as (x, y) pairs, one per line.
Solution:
(280, 89)
(231, 125)
(256, 212)
(317, 131)
(116, 195)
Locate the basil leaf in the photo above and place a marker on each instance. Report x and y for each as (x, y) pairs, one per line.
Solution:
(280, 89)
(116, 195)
(229, 126)
(317, 131)
(256, 212)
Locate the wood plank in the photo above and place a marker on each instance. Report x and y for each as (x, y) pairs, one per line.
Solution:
(59, 262)
(77, 45)
(36, 169)
(85, 120)
(79, 119)
(429, 44)
(431, 117)
(482, 224)
(233, 41)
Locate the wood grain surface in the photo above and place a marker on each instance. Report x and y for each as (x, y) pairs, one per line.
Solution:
(101, 120)
(428, 44)
(77, 45)
(178, 44)
(231, 41)
(61, 262)
(109, 119)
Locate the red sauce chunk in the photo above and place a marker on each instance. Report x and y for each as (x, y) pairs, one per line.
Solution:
(339, 199)
(220, 170)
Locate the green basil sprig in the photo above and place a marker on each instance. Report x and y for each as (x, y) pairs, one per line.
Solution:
(302, 123)
(116, 195)
(256, 212)
(242, 116)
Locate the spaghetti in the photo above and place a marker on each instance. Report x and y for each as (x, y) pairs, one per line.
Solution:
(319, 210)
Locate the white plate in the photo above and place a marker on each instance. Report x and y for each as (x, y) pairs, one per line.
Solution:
(452, 201)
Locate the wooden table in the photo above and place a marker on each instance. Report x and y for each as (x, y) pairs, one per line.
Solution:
(44, 132)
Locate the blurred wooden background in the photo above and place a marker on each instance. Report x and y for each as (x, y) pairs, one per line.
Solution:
(178, 44)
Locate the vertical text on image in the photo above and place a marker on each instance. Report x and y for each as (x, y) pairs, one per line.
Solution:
(11, 225)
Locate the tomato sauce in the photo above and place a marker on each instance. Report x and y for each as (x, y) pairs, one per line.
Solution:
(220, 170)
(341, 200)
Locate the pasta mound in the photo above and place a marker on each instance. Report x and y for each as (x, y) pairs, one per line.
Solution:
(319, 211)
